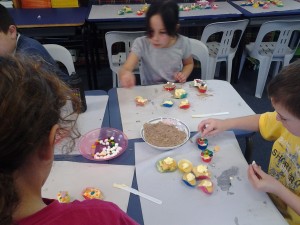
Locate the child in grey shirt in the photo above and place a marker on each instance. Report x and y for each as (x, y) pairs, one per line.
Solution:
(164, 54)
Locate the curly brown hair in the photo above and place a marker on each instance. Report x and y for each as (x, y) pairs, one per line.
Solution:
(31, 103)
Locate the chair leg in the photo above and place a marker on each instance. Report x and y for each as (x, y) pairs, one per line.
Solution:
(276, 68)
(242, 63)
(229, 69)
(217, 70)
(263, 71)
(211, 68)
(114, 77)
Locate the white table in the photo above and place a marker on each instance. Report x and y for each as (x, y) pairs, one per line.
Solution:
(74, 177)
(110, 12)
(239, 204)
(220, 97)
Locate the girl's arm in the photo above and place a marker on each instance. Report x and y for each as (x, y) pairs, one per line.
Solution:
(188, 65)
(127, 78)
(265, 182)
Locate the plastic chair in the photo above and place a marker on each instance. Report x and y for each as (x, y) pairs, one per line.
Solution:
(200, 53)
(280, 51)
(116, 61)
(223, 50)
(61, 54)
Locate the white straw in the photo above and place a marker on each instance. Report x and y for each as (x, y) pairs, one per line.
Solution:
(210, 114)
(136, 192)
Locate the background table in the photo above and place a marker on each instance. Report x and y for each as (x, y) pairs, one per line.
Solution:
(103, 14)
(126, 116)
(257, 16)
(65, 26)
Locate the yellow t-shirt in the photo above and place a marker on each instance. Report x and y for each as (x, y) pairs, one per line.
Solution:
(284, 162)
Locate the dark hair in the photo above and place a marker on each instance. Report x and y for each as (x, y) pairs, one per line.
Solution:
(284, 88)
(32, 100)
(5, 19)
(169, 12)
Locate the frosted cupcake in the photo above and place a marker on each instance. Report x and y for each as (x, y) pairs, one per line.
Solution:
(169, 86)
(92, 193)
(202, 143)
(206, 186)
(185, 166)
(180, 93)
(166, 165)
(189, 179)
(201, 172)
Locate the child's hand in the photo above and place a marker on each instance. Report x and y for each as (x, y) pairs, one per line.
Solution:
(210, 127)
(127, 79)
(261, 180)
(180, 77)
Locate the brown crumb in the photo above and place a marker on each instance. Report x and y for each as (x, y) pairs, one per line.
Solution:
(163, 135)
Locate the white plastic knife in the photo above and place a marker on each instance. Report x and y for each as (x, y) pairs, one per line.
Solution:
(136, 192)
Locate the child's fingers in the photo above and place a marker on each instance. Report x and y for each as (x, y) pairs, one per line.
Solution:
(258, 171)
(208, 130)
(180, 77)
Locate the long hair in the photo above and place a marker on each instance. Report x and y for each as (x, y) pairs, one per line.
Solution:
(31, 102)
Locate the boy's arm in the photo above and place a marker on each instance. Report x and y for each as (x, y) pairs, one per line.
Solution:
(265, 182)
(210, 127)
(290, 198)
(188, 65)
(126, 76)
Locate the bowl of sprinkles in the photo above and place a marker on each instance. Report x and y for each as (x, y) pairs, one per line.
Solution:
(103, 144)
(165, 133)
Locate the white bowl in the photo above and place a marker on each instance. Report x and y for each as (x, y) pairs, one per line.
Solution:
(179, 125)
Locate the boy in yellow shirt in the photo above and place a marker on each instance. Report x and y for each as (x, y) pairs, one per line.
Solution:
(282, 126)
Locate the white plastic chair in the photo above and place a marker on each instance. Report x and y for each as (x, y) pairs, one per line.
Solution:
(61, 54)
(116, 61)
(200, 53)
(280, 51)
(223, 51)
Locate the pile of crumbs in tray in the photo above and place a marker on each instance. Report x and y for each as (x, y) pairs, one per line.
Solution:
(163, 135)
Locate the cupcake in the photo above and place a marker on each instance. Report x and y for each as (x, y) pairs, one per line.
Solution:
(140, 101)
(184, 104)
(180, 93)
(202, 87)
(92, 193)
(206, 186)
(202, 143)
(63, 197)
(139, 13)
(169, 86)
(127, 9)
(206, 155)
(166, 165)
(201, 172)
(167, 103)
(189, 179)
(185, 166)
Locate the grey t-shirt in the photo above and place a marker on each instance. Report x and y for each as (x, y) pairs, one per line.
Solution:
(159, 65)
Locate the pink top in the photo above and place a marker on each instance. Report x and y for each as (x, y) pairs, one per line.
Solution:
(91, 212)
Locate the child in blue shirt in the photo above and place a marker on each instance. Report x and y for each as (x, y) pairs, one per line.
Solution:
(12, 42)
